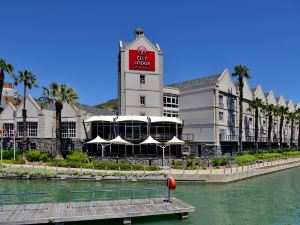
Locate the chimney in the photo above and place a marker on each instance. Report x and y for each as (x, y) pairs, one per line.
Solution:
(138, 32)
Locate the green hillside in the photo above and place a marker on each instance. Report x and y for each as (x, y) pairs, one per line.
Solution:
(109, 105)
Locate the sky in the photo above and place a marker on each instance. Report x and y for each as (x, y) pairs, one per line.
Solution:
(76, 41)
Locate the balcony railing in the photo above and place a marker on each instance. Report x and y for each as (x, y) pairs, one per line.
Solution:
(187, 137)
(229, 137)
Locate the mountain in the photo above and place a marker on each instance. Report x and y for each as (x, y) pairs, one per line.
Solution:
(109, 105)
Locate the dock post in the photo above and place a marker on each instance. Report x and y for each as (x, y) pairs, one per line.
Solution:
(183, 215)
(127, 220)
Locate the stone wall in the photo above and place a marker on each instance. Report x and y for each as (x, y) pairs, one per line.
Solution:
(134, 160)
(46, 144)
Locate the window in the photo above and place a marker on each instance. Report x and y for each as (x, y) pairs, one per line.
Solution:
(221, 115)
(170, 113)
(264, 122)
(250, 120)
(8, 130)
(68, 129)
(232, 104)
(32, 128)
(221, 103)
(133, 131)
(171, 101)
(142, 79)
(142, 100)
(32, 145)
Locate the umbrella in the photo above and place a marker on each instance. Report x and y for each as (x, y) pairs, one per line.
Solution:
(102, 142)
(119, 141)
(175, 141)
(150, 140)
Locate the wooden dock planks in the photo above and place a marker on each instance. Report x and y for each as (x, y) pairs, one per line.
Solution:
(97, 210)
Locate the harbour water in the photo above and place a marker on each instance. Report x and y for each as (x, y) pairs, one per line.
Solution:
(270, 199)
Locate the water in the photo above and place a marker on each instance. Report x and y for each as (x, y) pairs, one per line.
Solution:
(270, 199)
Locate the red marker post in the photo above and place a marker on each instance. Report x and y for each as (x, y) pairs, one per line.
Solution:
(171, 184)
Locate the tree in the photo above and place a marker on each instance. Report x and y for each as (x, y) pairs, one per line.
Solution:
(241, 72)
(282, 112)
(256, 104)
(28, 80)
(297, 115)
(58, 94)
(269, 111)
(4, 68)
(291, 116)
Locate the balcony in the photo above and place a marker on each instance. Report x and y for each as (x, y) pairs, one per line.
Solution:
(229, 137)
(187, 137)
(249, 138)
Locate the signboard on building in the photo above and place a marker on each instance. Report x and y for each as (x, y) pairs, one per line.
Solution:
(141, 59)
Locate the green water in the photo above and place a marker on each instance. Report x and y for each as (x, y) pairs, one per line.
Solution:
(270, 199)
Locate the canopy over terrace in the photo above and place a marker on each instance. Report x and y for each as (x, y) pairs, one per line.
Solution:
(135, 129)
(102, 142)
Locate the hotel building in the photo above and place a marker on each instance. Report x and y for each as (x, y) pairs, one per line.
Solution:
(203, 112)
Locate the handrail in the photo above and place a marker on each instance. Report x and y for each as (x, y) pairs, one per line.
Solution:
(129, 195)
(120, 190)
(24, 201)
(24, 193)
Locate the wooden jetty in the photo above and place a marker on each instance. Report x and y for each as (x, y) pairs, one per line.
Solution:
(125, 209)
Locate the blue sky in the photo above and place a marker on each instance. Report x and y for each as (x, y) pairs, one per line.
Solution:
(76, 41)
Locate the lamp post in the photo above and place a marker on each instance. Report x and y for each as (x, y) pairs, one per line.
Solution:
(14, 115)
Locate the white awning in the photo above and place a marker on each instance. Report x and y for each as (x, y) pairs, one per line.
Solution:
(132, 118)
(119, 141)
(150, 140)
(175, 141)
(156, 119)
(98, 140)
(100, 118)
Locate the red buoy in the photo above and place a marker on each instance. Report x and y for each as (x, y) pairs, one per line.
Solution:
(171, 183)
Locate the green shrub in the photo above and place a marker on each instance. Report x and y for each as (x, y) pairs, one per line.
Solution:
(38, 155)
(33, 155)
(78, 156)
(9, 154)
(224, 161)
(189, 162)
(19, 160)
(291, 153)
(245, 159)
(269, 156)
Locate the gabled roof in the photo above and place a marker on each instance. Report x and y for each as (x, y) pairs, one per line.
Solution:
(281, 101)
(89, 109)
(258, 93)
(207, 81)
(126, 45)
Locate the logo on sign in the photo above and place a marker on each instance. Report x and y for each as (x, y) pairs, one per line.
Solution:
(141, 59)
(142, 50)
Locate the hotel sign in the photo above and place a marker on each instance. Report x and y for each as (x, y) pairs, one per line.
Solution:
(141, 59)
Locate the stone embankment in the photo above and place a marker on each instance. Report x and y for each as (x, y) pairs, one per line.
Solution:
(209, 175)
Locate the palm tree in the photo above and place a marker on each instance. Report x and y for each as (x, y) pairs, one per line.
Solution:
(291, 116)
(58, 94)
(269, 111)
(297, 115)
(241, 72)
(28, 80)
(256, 104)
(282, 112)
(4, 68)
